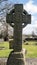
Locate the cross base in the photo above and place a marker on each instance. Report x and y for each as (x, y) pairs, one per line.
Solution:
(16, 58)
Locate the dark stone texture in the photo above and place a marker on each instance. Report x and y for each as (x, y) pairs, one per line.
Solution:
(15, 58)
(18, 17)
(11, 41)
(26, 18)
(18, 28)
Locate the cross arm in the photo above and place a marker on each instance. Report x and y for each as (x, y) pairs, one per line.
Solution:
(26, 19)
(9, 19)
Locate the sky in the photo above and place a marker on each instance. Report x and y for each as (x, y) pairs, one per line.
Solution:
(31, 7)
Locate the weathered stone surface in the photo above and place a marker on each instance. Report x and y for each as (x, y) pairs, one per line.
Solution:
(26, 18)
(11, 41)
(18, 28)
(16, 57)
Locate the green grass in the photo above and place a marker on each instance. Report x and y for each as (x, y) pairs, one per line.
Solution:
(4, 44)
(31, 49)
(5, 52)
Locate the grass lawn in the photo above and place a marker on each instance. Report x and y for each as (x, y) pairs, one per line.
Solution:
(31, 49)
(5, 52)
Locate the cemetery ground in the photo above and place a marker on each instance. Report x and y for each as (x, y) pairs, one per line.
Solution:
(31, 48)
(31, 56)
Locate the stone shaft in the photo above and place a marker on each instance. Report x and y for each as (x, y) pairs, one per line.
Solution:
(18, 28)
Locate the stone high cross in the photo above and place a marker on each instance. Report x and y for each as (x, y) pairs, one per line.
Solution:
(17, 18)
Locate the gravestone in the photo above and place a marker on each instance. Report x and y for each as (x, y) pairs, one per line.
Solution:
(17, 18)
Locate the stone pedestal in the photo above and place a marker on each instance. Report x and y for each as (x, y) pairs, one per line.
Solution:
(16, 58)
